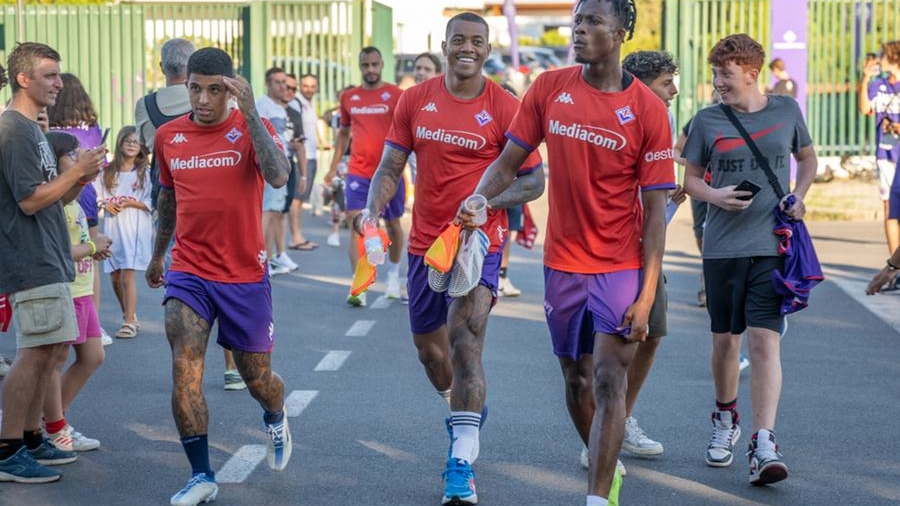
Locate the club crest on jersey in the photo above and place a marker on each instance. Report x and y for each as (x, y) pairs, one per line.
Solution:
(233, 135)
(385, 96)
(625, 115)
(483, 118)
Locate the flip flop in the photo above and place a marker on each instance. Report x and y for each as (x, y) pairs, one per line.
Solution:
(127, 331)
(304, 246)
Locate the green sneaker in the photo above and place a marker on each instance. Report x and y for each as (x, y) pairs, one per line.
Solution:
(613, 498)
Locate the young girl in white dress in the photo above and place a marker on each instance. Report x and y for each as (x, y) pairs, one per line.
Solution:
(124, 194)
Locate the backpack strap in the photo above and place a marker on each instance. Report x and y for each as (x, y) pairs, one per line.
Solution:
(760, 159)
(153, 111)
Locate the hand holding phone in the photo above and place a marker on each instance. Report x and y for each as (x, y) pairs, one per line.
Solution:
(105, 135)
(747, 186)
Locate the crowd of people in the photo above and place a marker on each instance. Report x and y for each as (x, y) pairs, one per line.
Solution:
(70, 205)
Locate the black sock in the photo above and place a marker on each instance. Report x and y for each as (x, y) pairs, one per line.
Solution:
(9, 447)
(503, 272)
(726, 406)
(33, 439)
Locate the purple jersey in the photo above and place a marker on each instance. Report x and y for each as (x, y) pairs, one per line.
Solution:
(885, 99)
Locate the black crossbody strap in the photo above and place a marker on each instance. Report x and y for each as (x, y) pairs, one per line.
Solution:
(760, 159)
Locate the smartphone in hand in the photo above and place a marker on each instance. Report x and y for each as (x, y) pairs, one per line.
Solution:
(105, 135)
(748, 186)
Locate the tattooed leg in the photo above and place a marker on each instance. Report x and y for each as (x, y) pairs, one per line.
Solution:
(468, 323)
(265, 385)
(188, 334)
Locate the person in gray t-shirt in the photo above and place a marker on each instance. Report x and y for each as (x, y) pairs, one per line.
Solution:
(36, 257)
(739, 247)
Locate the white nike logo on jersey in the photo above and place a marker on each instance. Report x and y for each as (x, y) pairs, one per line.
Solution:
(179, 138)
(565, 98)
(430, 107)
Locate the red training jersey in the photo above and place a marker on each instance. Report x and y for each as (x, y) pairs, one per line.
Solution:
(454, 140)
(603, 149)
(218, 191)
(368, 114)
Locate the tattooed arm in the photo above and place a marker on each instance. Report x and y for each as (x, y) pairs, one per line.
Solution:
(384, 182)
(524, 188)
(273, 164)
(165, 209)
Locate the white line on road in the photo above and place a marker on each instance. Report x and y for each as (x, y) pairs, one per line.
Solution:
(241, 464)
(854, 284)
(332, 361)
(298, 400)
(360, 328)
(381, 302)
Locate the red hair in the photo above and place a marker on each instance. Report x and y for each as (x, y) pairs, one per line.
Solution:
(740, 49)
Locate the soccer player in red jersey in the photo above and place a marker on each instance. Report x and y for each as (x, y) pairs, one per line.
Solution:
(366, 113)
(455, 125)
(218, 269)
(608, 136)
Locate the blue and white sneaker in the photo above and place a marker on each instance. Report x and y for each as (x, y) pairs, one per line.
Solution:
(21, 467)
(49, 455)
(459, 483)
(280, 447)
(200, 488)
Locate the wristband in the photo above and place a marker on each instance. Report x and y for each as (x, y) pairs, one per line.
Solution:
(891, 266)
(83, 183)
(93, 246)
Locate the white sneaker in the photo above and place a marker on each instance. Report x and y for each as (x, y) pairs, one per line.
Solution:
(743, 363)
(199, 489)
(505, 288)
(61, 440)
(286, 261)
(357, 300)
(334, 240)
(5, 364)
(586, 462)
(275, 269)
(80, 442)
(105, 338)
(726, 432)
(637, 443)
(393, 285)
(280, 446)
(766, 465)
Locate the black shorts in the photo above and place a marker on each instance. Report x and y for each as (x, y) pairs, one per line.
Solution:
(698, 212)
(657, 320)
(740, 294)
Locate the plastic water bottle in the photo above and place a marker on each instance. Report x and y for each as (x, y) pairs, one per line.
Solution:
(372, 240)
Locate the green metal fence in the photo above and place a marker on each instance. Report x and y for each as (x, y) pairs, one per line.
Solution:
(840, 33)
(114, 48)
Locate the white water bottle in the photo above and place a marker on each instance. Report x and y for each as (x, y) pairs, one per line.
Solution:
(372, 240)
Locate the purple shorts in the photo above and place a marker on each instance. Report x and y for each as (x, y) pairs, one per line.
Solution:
(357, 191)
(428, 309)
(579, 305)
(244, 310)
(86, 319)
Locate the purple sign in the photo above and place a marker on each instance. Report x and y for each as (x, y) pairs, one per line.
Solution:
(789, 19)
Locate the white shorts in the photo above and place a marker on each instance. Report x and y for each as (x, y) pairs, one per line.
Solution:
(274, 198)
(886, 169)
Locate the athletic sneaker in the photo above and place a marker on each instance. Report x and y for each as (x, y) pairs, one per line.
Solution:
(459, 483)
(466, 272)
(233, 380)
(105, 338)
(726, 433)
(285, 260)
(280, 447)
(334, 240)
(21, 467)
(357, 300)
(765, 462)
(637, 443)
(613, 498)
(199, 489)
(438, 281)
(80, 442)
(5, 364)
(744, 362)
(393, 285)
(586, 462)
(505, 288)
(61, 440)
(49, 455)
(275, 269)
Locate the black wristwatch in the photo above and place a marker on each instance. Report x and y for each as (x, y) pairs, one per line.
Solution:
(891, 267)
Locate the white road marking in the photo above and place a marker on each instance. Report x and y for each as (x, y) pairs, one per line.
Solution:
(241, 464)
(332, 361)
(389, 451)
(381, 302)
(883, 306)
(360, 328)
(297, 401)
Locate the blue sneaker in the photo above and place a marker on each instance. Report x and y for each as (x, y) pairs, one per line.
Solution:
(50, 455)
(22, 468)
(199, 489)
(280, 447)
(459, 483)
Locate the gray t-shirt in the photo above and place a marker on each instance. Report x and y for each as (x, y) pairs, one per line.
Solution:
(34, 250)
(713, 142)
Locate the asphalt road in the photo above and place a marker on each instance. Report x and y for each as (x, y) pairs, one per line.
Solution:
(368, 429)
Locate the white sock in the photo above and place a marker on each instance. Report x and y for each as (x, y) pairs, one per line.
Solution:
(465, 435)
(393, 268)
(445, 395)
(596, 500)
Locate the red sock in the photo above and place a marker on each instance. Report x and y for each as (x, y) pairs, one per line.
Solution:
(54, 427)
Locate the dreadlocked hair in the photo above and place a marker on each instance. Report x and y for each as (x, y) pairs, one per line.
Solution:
(625, 10)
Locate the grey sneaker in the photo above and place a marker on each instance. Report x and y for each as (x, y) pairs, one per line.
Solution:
(585, 461)
(636, 443)
(22, 468)
(766, 465)
(726, 433)
(233, 380)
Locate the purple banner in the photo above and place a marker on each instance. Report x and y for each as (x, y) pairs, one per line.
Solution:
(789, 19)
(509, 10)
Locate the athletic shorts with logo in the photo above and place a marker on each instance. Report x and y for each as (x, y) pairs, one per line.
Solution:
(243, 310)
(428, 309)
(357, 191)
(740, 293)
(579, 305)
